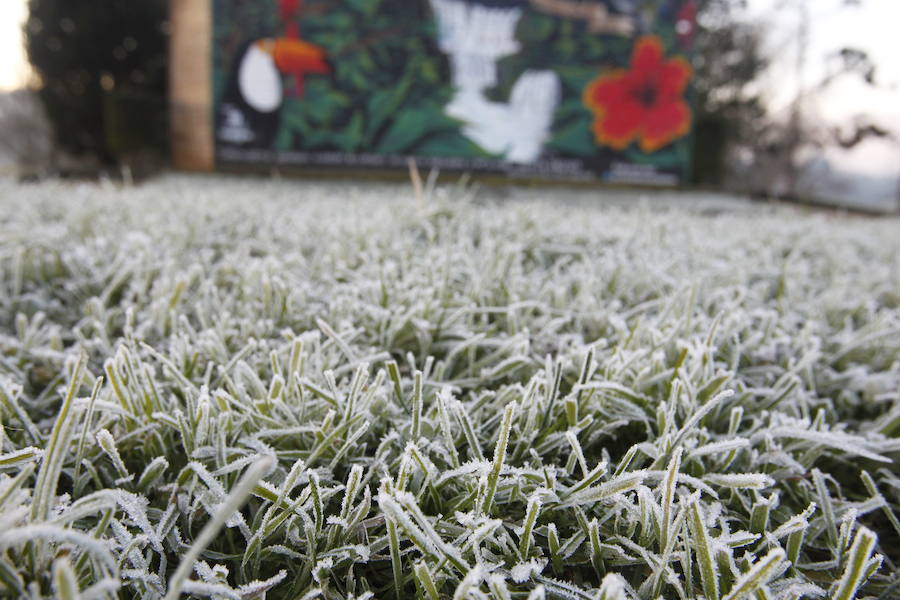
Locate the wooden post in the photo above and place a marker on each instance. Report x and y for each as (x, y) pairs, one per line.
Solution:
(190, 84)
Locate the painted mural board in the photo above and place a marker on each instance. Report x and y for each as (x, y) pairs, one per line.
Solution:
(572, 89)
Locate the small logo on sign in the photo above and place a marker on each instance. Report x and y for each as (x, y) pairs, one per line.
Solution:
(234, 128)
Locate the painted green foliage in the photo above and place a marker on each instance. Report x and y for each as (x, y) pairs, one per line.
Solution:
(388, 86)
(578, 57)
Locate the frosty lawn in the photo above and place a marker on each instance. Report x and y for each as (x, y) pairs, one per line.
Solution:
(232, 388)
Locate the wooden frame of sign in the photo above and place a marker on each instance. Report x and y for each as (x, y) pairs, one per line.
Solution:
(190, 84)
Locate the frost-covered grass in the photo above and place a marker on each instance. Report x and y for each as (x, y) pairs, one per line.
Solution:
(234, 388)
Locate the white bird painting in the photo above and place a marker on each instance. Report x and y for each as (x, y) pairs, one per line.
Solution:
(475, 35)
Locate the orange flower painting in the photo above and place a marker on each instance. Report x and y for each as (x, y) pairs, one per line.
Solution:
(645, 103)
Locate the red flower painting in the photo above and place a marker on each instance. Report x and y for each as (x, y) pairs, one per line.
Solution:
(645, 103)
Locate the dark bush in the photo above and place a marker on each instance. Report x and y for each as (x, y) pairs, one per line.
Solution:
(102, 75)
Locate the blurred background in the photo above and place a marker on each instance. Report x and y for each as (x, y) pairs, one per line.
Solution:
(794, 99)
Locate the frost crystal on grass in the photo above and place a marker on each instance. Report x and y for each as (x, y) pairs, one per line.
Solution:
(228, 388)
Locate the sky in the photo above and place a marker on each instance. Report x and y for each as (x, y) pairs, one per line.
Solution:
(13, 66)
(873, 27)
